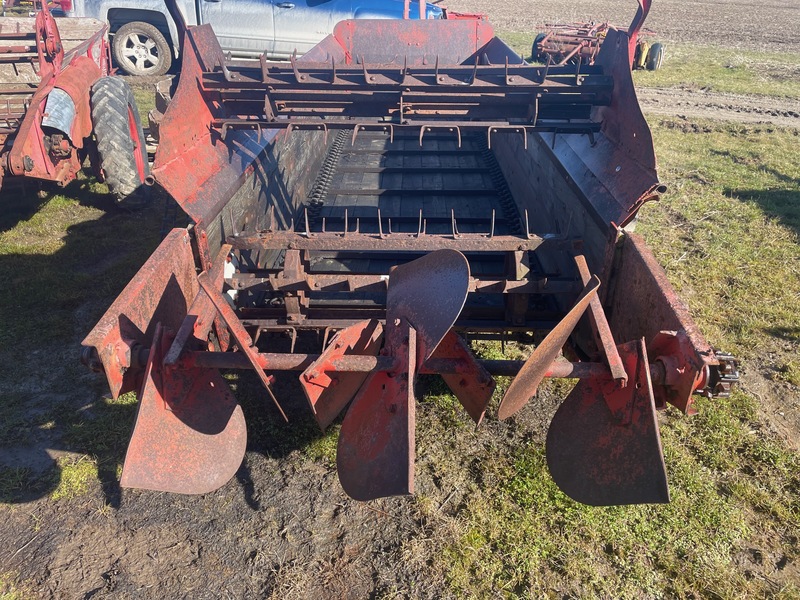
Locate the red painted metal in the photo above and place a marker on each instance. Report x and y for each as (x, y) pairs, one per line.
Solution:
(605, 458)
(375, 454)
(523, 388)
(190, 434)
(414, 40)
(160, 292)
(329, 388)
(673, 349)
(642, 302)
(375, 457)
(239, 333)
(603, 445)
(471, 382)
(563, 43)
(29, 151)
(600, 327)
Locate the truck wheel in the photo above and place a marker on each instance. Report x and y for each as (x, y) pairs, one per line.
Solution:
(655, 56)
(120, 142)
(141, 49)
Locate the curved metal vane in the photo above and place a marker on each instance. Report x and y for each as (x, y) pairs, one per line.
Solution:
(606, 458)
(523, 388)
(328, 390)
(429, 293)
(375, 456)
(190, 433)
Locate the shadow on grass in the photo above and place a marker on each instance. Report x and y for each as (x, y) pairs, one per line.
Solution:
(62, 273)
(781, 203)
(61, 265)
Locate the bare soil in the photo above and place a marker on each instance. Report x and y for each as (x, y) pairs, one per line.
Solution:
(696, 104)
(771, 26)
(283, 528)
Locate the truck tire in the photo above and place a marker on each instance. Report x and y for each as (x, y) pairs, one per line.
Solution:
(120, 142)
(141, 49)
(655, 56)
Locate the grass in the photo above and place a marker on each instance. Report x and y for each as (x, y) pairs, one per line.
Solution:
(707, 68)
(58, 262)
(75, 477)
(728, 235)
(726, 70)
(730, 223)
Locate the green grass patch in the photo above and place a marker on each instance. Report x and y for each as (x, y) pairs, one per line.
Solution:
(727, 233)
(727, 230)
(708, 68)
(9, 591)
(323, 449)
(725, 70)
(64, 239)
(75, 476)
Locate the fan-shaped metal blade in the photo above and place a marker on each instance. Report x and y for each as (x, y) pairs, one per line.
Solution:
(598, 458)
(190, 434)
(523, 388)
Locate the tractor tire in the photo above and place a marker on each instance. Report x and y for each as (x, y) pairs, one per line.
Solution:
(640, 57)
(535, 54)
(655, 56)
(141, 49)
(120, 142)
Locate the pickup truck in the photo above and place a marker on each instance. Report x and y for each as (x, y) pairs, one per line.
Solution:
(145, 38)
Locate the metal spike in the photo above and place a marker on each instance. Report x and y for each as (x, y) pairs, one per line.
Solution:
(345, 222)
(323, 224)
(419, 225)
(305, 219)
(527, 225)
(358, 225)
(474, 76)
(453, 223)
(546, 69)
(297, 75)
(491, 230)
(368, 79)
(380, 225)
(405, 71)
(333, 76)
(436, 71)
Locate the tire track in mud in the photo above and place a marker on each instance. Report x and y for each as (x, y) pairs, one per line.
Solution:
(693, 104)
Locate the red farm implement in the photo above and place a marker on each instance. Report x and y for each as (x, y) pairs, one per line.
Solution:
(562, 44)
(404, 185)
(59, 104)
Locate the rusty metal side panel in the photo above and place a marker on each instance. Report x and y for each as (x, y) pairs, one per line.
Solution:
(642, 302)
(160, 292)
(199, 169)
(616, 173)
(420, 42)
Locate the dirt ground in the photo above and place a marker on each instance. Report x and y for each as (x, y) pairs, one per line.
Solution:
(769, 26)
(284, 528)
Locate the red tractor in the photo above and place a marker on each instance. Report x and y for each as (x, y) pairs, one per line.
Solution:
(59, 107)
